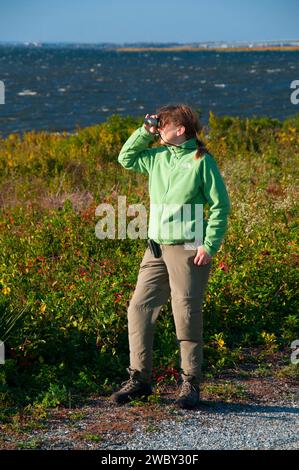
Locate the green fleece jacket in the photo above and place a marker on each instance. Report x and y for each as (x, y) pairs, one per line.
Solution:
(178, 181)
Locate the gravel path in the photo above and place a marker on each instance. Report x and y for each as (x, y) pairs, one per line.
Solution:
(223, 426)
(264, 414)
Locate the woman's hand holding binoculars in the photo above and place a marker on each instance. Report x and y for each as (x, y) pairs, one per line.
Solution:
(151, 123)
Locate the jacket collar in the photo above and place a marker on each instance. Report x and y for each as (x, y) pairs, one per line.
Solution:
(188, 144)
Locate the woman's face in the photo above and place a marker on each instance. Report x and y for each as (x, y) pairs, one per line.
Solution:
(171, 132)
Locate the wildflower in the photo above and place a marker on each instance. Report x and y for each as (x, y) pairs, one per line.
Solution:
(6, 290)
(117, 297)
(40, 258)
(223, 266)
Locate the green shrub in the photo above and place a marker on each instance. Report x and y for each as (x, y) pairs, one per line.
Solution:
(76, 288)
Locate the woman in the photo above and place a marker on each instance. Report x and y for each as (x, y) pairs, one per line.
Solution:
(182, 174)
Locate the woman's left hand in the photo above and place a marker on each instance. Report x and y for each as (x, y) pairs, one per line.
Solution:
(201, 256)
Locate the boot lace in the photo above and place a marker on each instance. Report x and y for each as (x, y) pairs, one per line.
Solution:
(187, 387)
(128, 384)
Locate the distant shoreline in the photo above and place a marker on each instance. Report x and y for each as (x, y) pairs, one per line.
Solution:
(201, 49)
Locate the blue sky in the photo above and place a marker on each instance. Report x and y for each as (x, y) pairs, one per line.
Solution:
(148, 21)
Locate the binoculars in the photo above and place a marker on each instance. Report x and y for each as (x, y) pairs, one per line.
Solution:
(151, 121)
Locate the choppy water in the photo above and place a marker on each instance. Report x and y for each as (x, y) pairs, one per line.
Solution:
(62, 88)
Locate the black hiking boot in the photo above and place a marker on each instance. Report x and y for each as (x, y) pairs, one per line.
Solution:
(189, 393)
(132, 388)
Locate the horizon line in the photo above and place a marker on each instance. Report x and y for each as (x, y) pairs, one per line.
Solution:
(151, 42)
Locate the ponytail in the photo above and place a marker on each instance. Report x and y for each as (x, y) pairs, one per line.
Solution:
(201, 149)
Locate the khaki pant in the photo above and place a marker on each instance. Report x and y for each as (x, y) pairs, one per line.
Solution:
(175, 274)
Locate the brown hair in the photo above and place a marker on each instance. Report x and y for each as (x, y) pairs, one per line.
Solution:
(184, 115)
